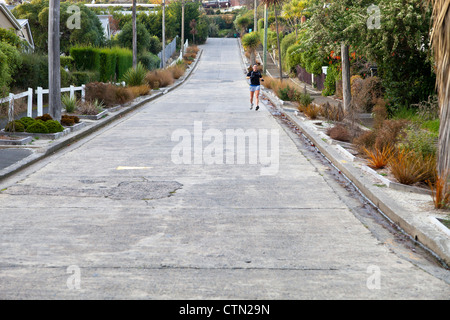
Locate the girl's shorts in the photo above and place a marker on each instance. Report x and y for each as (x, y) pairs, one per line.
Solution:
(254, 88)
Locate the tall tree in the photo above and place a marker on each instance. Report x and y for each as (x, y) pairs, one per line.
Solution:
(441, 46)
(54, 75)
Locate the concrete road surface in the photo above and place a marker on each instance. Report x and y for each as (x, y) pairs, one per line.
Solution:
(193, 196)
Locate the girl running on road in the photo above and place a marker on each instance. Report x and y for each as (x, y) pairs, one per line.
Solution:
(255, 86)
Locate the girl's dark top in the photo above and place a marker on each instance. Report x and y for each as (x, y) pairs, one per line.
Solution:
(254, 77)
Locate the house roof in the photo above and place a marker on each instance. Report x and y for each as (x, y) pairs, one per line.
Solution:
(21, 25)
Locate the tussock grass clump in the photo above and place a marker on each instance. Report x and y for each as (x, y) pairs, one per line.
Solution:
(339, 132)
(378, 159)
(159, 78)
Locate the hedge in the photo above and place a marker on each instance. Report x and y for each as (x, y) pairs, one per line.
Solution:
(110, 64)
(107, 68)
(85, 58)
(124, 60)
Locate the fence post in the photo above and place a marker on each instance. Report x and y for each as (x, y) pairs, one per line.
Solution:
(30, 103)
(11, 108)
(72, 92)
(83, 93)
(39, 102)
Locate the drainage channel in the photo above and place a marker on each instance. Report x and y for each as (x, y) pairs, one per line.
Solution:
(380, 225)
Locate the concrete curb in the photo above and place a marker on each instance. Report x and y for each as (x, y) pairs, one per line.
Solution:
(423, 232)
(87, 130)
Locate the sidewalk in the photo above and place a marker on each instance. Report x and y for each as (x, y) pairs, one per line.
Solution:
(408, 207)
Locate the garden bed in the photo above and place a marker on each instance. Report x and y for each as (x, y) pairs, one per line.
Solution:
(97, 116)
(12, 140)
(76, 126)
(49, 136)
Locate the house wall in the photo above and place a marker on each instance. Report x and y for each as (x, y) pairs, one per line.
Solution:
(5, 23)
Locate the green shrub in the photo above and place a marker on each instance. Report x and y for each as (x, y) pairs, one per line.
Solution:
(67, 61)
(69, 103)
(420, 141)
(135, 76)
(37, 127)
(305, 99)
(15, 126)
(53, 126)
(83, 77)
(10, 61)
(124, 60)
(149, 60)
(330, 81)
(85, 58)
(287, 42)
(33, 72)
(26, 121)
(432, 125)
(293, 57)
(107, 68)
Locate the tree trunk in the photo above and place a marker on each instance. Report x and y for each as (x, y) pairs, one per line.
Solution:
(134, 35)
(278, 44)
(255, 17)
(54, 66)
(266, 17)
(346, 77)
(443, 165)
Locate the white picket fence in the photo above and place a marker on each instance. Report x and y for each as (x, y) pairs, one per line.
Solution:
(40, 99)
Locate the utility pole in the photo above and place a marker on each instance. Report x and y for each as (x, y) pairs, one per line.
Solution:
(182, 27)
(346, 76)
(164, 33)
(134, 35)
(54, 72)
(266, 17)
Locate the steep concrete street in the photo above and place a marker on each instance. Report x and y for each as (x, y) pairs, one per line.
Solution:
(166, 204)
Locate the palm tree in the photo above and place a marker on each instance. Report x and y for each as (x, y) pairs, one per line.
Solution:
(275, 4)
(441, 47)
(250, 42)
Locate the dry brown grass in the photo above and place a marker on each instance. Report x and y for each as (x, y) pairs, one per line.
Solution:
(177, 70)
(109, 94)
(138, 91)
(333, 113)
(312, 111)
(192, 49)
(440, 192)
(339, 132)
(409, 168)
(378, 159)
(159, 78)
